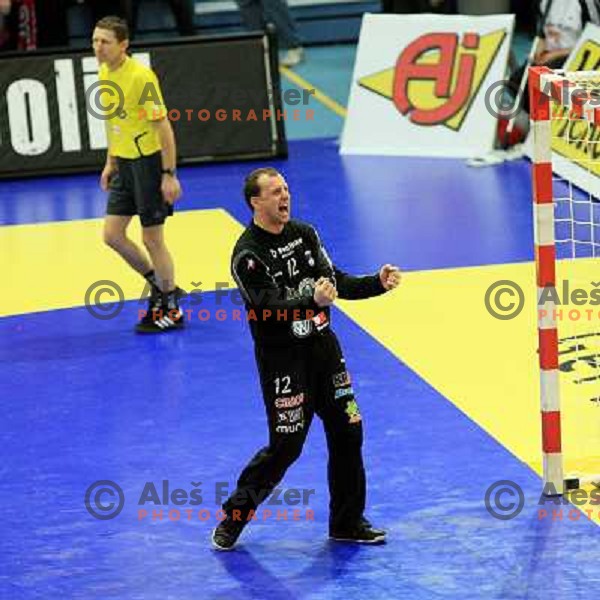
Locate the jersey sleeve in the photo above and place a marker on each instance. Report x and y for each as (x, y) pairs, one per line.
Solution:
(351, 287)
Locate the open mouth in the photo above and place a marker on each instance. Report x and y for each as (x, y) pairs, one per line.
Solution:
(284, 209)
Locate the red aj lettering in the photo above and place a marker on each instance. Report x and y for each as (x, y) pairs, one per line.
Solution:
(453, 79)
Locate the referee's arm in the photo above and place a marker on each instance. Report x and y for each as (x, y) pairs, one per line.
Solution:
(108, 171)
(171, 188)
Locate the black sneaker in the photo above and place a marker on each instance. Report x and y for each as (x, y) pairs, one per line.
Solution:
(226, 534)
(366, 523)
(161, 320)
(154, 302)
(363, 533)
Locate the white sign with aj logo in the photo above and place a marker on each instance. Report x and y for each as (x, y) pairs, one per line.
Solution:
(419, 85)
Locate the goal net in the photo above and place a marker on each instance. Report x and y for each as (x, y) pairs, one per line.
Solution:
(565, 116)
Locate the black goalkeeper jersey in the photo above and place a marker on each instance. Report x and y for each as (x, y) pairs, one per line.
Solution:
(276, 274)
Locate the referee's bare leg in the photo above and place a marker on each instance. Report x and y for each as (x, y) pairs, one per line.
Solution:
(115, 236)
(158, 270)
(160, 256)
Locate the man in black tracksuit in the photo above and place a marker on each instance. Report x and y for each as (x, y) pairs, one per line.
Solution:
(288, 284)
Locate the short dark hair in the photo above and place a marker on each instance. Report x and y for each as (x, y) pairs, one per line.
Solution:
(251, 185)
(115, 24)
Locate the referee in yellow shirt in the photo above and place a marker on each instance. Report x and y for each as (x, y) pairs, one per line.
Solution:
(140, 171)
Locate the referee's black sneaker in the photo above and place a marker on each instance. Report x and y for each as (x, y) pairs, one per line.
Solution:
(161, 320)
(163, 313)
(363, 533)
(226, 533)
(364, 522)
(154, 303)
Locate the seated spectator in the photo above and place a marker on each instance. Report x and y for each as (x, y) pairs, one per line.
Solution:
(5, 6)
(183, 11)
(560, 24)
(31, 24)
(19, 25)
(257, 13)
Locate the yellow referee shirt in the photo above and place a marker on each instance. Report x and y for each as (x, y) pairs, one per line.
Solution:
(129, 132)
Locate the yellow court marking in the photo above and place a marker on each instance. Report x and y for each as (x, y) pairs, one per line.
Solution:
(437, 323)
(323, 98)
(51, 265)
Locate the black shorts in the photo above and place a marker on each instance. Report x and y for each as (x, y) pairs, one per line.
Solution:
(303, 379)
(135, 190)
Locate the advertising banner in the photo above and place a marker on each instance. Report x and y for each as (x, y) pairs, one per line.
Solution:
(420, 82)
(222, 94)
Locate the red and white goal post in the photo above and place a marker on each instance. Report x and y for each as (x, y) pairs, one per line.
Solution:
(567, 249)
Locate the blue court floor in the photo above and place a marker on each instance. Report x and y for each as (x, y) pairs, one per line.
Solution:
(86, 400)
